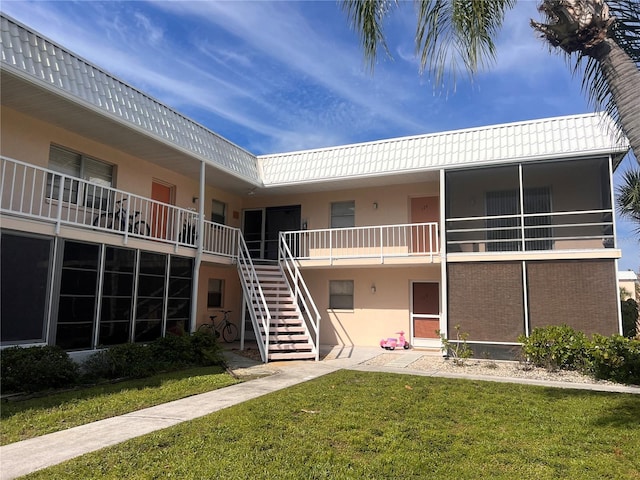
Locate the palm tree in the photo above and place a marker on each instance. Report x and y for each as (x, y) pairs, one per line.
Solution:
(454, 35)
(628, 197)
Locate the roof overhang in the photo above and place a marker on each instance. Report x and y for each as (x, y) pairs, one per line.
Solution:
(21, 93)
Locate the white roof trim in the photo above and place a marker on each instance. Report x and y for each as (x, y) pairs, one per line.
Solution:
(549, 138)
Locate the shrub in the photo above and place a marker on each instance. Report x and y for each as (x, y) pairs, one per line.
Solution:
(457, 349)
(615, 358)
(173, 351)
(629, 309)
(555, 347)
(206, 349)
(167, 353)
(120, 361)
(33, 369)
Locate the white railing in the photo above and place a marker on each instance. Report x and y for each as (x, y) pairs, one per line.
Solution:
(254, 299)
(39, 193)
(580, 229)
(302, 298)
(384, 241)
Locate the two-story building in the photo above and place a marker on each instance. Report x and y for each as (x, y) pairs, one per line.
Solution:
(123, 220)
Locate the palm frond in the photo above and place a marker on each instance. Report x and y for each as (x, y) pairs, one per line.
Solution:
(628, 197)
(626, 30)
(367, 19)
(458, 35)
(626, 33)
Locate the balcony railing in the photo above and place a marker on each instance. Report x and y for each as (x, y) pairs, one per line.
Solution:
(574, 230)
(375, 242)
(39, 193)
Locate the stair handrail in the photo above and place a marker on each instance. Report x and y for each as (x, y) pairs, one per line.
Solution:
(302, 298)
(253, 290)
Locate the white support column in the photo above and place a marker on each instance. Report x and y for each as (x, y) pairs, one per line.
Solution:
(199, 242)
(523, 232)
(615, 245)
(525, 297)
(443, 257)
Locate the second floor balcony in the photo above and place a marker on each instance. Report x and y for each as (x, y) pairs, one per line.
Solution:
(37, 193)
(41, 194)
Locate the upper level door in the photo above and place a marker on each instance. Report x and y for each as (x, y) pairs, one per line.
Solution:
(161, 192)
(261, 228)
(425, 210)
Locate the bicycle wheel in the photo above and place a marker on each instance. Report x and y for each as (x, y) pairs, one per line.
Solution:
(104, 220)
(229, 332)
(141, 228)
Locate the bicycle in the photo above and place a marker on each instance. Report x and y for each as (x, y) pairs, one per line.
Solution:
(188, 234)
(121, 219)
(229, 330)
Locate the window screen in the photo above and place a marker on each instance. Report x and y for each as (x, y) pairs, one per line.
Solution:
(343, 214)
(341, 294)
(214, 294)
(218, 212)
(99, 175)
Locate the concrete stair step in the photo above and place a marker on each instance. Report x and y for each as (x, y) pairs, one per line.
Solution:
(292, 356)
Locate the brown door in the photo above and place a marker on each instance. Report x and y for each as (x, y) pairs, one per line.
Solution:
(160, 212)
(426, 309)
(424, 210)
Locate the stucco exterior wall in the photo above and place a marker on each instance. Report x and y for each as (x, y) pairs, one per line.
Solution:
(393, 203)
(28, 139)
(375, 315)
(232, 293)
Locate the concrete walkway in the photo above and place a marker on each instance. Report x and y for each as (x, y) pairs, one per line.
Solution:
(27, 456)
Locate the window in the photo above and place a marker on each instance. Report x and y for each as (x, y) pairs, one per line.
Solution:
(78, 295)
(25, 268)
(214, 295)
(179, 295)
(501, 229)
(218, 212)
(341, 294)
(117, 296)
(343, 214)
(536, 201)
(151, 295)
(99, 174)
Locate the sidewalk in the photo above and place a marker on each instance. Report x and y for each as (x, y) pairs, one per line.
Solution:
(27, 456)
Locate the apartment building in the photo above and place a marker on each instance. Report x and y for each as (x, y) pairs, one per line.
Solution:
(122, 220)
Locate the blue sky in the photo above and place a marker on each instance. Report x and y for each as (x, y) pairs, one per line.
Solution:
(279, 76)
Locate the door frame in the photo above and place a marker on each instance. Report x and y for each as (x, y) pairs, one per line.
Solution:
(263, 250)
(419, 341)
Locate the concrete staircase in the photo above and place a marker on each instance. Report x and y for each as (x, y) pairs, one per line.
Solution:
(288, 335)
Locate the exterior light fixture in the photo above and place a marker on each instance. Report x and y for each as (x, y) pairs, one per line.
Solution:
(373, 288)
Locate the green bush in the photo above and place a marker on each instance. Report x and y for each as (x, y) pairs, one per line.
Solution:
(33, 369)
(555, 347)
(629, 309)
(129, 360)
(168, 353)
(615, 358)
(173, 351)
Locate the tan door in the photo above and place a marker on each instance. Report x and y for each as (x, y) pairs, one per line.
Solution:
(424, 238)
(160, 192)
(425, 314)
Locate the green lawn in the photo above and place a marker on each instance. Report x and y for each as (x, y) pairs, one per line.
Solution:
(375, 425)
(30, 418)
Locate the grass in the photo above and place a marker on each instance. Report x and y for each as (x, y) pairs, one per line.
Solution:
(353, 425)
(30, 418)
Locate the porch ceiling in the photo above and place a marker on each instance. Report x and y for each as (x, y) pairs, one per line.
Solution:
(52, 107)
